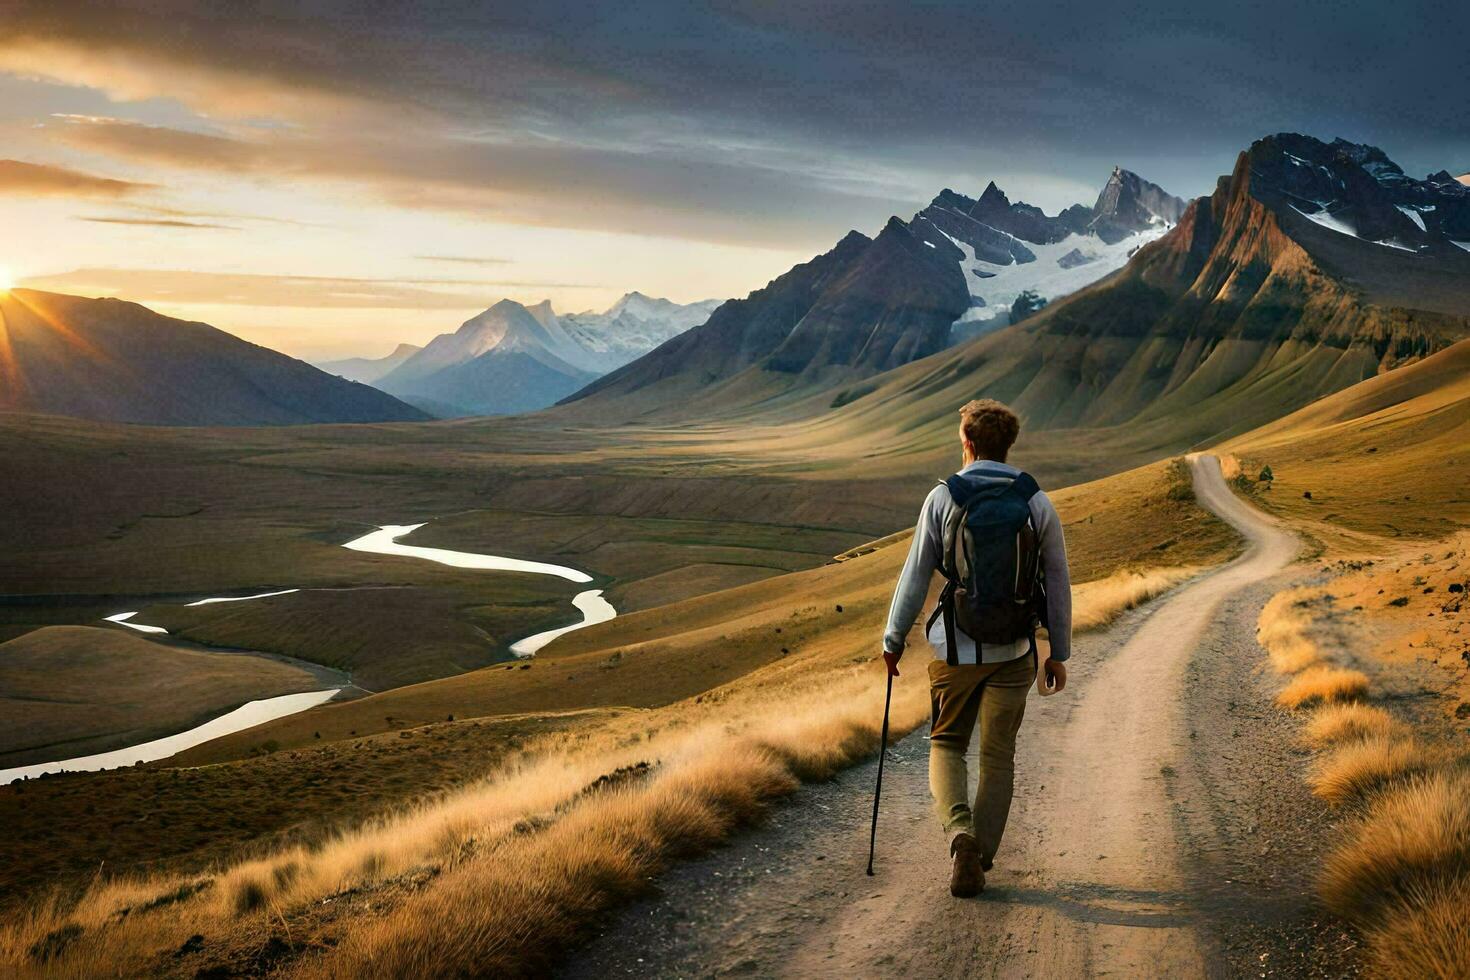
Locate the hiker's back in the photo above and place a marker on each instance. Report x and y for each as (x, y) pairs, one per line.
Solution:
(990, 558)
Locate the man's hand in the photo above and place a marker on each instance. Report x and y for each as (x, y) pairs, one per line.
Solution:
(1056, 674)
(891, 661)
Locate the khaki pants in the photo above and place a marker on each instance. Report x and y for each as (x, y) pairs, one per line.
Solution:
(994, 697)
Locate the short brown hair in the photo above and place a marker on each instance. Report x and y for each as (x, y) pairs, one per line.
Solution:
(990, 428)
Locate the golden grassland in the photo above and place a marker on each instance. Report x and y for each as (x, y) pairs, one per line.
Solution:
(1376, 463)
(1400, 869)
(494, 876)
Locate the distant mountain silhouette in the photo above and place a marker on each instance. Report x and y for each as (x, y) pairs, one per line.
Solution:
(514, 358)
(115, 361)
(369, 369)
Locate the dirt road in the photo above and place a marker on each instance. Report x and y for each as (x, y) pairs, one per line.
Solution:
(1160, 829)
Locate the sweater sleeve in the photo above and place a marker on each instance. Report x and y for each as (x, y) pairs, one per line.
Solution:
(913, 582)
(1058, 578)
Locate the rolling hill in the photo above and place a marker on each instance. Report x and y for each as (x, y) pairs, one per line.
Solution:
(109, 360)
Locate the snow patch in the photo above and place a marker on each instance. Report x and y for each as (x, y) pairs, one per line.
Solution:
(1003, 283)
(1327, 220)
(1413, 215)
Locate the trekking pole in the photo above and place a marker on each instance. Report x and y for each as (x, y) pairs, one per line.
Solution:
(882, 751)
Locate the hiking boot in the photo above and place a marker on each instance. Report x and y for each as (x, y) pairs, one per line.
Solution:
(966, 878)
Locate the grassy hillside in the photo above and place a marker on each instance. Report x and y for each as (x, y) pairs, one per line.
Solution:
(1384, 459)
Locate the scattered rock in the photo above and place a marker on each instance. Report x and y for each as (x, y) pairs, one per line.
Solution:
(1307, 494)
(191, 945)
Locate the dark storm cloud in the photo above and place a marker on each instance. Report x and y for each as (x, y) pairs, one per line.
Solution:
(756, 109)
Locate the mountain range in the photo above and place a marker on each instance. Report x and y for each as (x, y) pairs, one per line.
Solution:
(1311, 266)
(950, 273)
(1303, 273)
(109, 360)
(515, 358)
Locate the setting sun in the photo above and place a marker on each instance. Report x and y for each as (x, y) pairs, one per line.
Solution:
(7, 280)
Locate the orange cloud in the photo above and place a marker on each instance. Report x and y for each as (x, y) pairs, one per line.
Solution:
(20, 177)
(316, 292)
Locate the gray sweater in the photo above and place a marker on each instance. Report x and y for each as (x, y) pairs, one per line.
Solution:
(925, 558)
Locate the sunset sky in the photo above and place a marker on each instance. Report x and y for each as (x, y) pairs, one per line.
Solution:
(331, 179)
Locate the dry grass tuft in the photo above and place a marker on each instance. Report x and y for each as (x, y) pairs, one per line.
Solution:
(1426, 936)
(1343, 722)
(1101, 601)
(1359, 768)
(1321, 685)
(1411, 845)
(1282, 630)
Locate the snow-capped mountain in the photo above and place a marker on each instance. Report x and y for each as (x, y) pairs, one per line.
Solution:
(516, 358)
(950, 273)
(1356, 190)
(1008, 248)
(635, 325)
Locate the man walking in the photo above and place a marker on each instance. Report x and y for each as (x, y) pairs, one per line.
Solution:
(997, 540)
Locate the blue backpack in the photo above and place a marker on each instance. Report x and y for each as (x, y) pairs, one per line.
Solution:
(994, 585)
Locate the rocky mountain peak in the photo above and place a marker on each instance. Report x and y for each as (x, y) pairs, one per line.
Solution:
(1128, 204)
(1356, 191)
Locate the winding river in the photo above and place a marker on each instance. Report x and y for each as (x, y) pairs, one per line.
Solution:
(383, 541)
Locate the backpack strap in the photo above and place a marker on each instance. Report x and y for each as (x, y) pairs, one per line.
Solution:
(951, 565)
(1025, 485)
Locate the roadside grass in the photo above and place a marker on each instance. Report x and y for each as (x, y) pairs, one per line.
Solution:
(1400, 870)
(1365, 766)
(1322, 685)
(1333, 723)
(1281, 630)
(497, 878)
(1428, 936)
(1103, 600)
